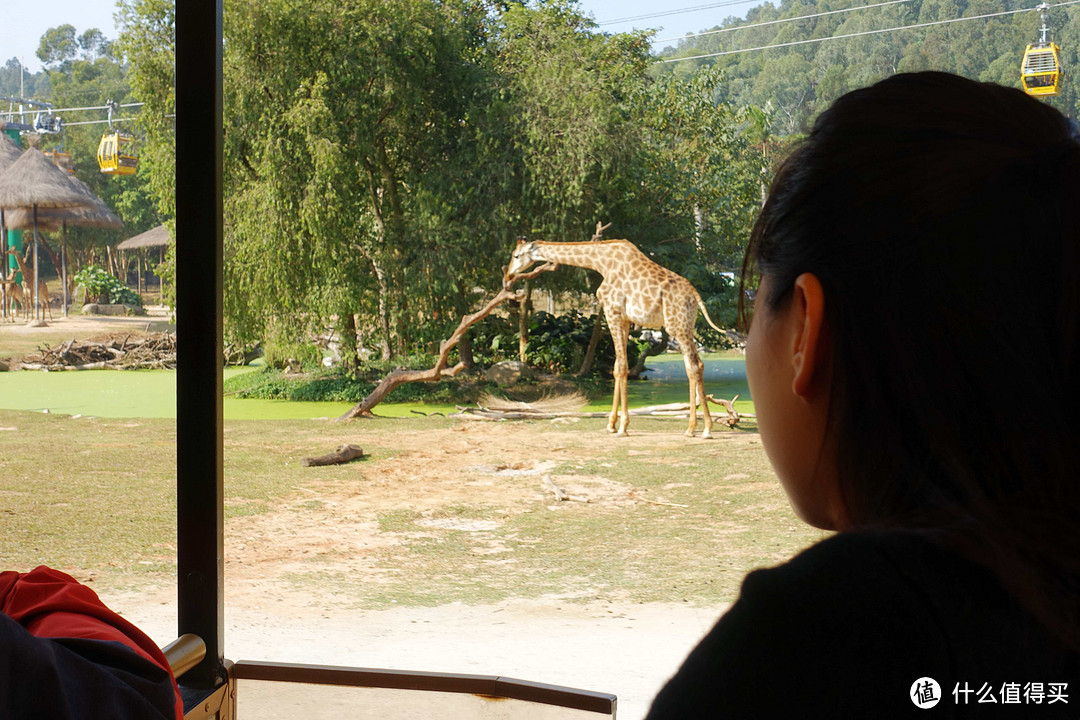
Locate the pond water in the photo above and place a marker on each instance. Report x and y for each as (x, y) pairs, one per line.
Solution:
(152, 393)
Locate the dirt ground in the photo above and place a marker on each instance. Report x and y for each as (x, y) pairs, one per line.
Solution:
(604, 643)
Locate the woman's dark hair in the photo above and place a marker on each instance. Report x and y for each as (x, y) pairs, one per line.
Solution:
(942, 217)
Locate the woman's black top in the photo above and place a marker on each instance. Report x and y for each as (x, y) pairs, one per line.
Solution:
(854, 626)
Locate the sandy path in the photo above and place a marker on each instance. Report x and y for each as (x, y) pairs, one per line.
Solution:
(628, 650)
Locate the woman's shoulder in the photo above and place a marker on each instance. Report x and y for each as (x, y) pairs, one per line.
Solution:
(851, 624)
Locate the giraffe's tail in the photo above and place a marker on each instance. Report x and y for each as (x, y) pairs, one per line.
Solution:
(701, 304)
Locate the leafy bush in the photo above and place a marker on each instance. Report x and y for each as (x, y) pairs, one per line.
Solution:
(333, 386)
(284, 342)
(102, 287)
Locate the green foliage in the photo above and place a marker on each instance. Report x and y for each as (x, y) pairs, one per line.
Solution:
(102, 287)
(557, 343)
(334, 386)
(381, 157)
(15, 81)
(284, 343)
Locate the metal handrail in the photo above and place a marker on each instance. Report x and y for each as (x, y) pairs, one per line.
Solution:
(184, 653)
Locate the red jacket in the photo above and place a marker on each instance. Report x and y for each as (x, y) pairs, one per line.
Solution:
(64, 654)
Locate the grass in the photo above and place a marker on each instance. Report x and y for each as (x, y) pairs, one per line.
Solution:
(671, 520)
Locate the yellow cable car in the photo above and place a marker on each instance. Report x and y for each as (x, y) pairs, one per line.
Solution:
(116, 154)
(1040, 70)
(61, 159)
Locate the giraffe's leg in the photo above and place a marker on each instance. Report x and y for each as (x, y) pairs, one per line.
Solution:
(615, 395)
(695, 377)
(620, 410)
(690, 362)
(625, 402)
(700, 381)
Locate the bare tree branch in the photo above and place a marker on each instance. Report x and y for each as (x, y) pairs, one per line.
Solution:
(440, 371)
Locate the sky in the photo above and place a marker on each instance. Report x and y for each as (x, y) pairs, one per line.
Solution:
(21, 30)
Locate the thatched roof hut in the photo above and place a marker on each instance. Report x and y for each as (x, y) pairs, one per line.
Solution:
(156, 237)
(33, 180)
(94, 214)
(53, 219)
(9, 152)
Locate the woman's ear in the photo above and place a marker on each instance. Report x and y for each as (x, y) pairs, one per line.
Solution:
(811, 345)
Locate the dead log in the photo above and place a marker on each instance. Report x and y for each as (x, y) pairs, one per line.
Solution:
(732, 419)
(343, 454)
(440, 371)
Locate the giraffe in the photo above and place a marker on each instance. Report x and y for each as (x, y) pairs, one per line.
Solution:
(13, 293)
(28, 283)
(635, 290)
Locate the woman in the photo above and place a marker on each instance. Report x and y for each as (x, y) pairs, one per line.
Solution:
(913, 360)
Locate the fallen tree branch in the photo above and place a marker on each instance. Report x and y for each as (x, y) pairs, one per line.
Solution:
(733, 417)
(343, 454)
(560, 494)
(674, 410)
(156, 350)
(440, 371)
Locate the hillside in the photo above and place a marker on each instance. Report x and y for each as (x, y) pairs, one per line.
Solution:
(798, 81)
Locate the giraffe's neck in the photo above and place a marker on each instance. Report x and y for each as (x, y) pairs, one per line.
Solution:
(23, 268)
(599, 256)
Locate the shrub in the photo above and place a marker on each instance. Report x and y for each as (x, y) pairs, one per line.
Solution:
(102, 287)
(284, 342)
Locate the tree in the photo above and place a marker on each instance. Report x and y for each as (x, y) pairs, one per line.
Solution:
(340, 114)
(58, 45)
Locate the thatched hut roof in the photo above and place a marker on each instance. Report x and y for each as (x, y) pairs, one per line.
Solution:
(51, 219)
(95, 213)
(156, 237)
(9, 152)
(34, 180)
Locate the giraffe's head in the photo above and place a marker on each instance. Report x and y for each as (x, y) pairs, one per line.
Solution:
(525, 254)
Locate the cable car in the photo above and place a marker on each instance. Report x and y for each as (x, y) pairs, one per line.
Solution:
(1040, 70)
(116, 154)
(61, 159)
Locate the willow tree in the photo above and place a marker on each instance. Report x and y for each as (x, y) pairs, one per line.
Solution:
(334, 113)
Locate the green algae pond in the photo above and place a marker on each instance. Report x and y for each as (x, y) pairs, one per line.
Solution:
(152, 393)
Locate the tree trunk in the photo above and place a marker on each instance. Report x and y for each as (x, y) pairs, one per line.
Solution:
(654, 350)
(384, 310)
(594, 343)
(52, 255)
(393, 240)
(465, 352)
(524, 311)
(350, 358)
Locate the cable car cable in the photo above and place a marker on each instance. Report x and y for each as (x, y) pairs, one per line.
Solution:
(690, 36)
(859, 34)
(675, 12)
